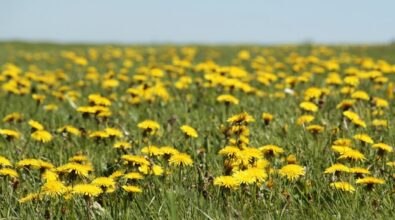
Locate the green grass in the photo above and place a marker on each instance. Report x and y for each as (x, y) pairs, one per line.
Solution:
(193, 195)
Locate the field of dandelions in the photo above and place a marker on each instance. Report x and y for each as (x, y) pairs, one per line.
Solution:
(196, 132)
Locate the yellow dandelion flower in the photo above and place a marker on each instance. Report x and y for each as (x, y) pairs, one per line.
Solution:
(42, 136)
(229, 182)
(9, 172)
(122, 145)
(271, 150)
(53, 188)
(345, 104)
(343, 142)
(364, 138)
(151, 151)
(292, 171)
(360, 95)
(241, 118)
(229, 151)
(106, 183)
(336, 168)
(148, 125)
(380, 123)
(381, 103)
(359, 170)
(151, 170)
(132, 189)
(370, 180)
(89, 190)
(189, 131)
(97, 99)
(308, 106)
(30, 197)
(267, 117)
(135, 160)
(79, 158)
(50, 175)
(315, 129)
(10, 134)
(244, 177)
(391, 163)
(4, 162)
(34, 164)
(383, 147)
(343, 186)
(304, 119)
(113, 132)
(168, 151)
(75, 168)
(69, 129)
(36, 125)
(133, 176)
(13, 117)
(116, 174)
(180, 159)
(228, 99)
(340, 149)
(352, 155)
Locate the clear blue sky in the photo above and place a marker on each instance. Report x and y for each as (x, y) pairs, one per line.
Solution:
(198, 21)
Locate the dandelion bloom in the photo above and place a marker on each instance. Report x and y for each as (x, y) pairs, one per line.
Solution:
(36, 125)
(10, 134)
(362, 95)
(370, 180)
(86, 190)
(229, 99)
(189, 131)
(352, 155)
(151, 151)
(240, 118)
(122, 145)
(229, 182)
(343, 142)
(106, 183)
(359, 170)
(343, 186)
(34, 164)
(9, 172)
(181, 159)
(13, 117)
(42, 136)
(336, 168)
(30, 197)
(271, 150)
(53, 188)
(75, 168)
(340, 149)
(364, 138)
(148, 125)
(292, 171)
(151, 170)
(132, 189)
(70, 130)
(4, 162)
(135, 160)
(229, 151)
(267, 117)
(383, 147)
(304, 119)
(308, 106)
(315, 129)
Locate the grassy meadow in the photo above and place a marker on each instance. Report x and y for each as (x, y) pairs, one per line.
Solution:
(196, 132)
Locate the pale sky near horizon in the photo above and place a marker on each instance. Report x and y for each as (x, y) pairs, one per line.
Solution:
(203, 21)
